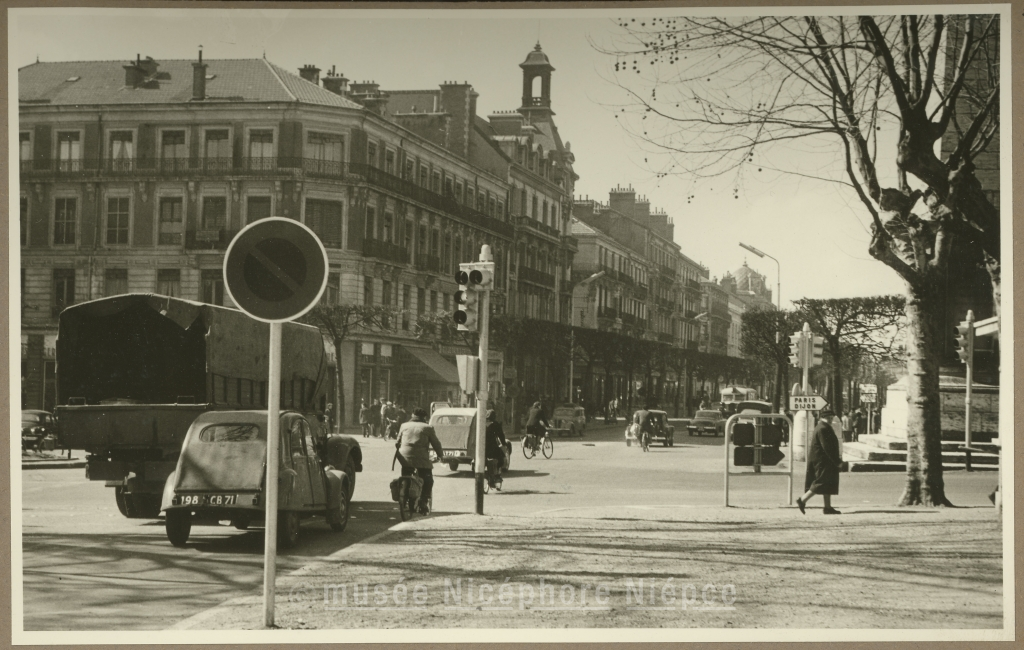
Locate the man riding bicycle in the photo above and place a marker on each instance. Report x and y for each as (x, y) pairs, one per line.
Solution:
(415, 438)
(643, 419)
(536, 424)
(495, 448)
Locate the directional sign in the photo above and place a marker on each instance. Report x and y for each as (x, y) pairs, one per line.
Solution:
(868, 389)
(867, 398)
(807, 402)
(275, 269)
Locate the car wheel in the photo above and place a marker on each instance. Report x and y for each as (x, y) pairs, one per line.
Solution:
(671, 442)
(629, 443)
(338, 517)
(453, 466)
(241, 523)
(179, 526)
(147, 505)
(287, 528)
(119, 498)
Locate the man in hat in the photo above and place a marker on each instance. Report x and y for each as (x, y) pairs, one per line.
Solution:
(823, 464)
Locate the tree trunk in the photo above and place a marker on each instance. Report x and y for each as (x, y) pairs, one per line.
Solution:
(780, 380)
(339, 393)
(924, 434)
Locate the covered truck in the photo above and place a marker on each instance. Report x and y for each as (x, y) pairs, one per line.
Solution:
(134, 371)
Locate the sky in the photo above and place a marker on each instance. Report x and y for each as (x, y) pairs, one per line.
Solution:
(817, 231)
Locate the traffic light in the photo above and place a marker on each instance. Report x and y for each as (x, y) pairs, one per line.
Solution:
(817, 348)
(965, 341)
(743, 437)
(466, 302)
(796, 350)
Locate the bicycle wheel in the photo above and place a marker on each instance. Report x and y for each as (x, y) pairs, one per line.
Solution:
(645, 441)
(404, 502)
(547, 447)
(528, 449)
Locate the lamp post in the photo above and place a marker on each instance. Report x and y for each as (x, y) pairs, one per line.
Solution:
(778, 290)
(572, 332)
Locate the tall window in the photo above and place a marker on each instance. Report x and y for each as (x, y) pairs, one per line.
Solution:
(492, 206)
(23, 221)
(173, 155)
(407, 172)
(435, 243)
(64, 220)
(545, 211)
(371, 222)
(115, 282)
(121, 151)
(324, 218)
(367, 290)
(459, 192)
(533, 207)
(215, 212)
(324, 153)
(388, 227)
(333, 292)
(69, 151)
(371, 154)
(408, 235)
(449, 187)
(168, 282)
(433, 301)
(261, 148)
(217, 149)
(171, 222)
(118, 216)
(424, 172)
(406, 298)
(63, 289)
(435, 182)
(25, 146)
(386, 294)
(256, 208)
(421, 248)
(389, 162)
(421, 300)
(213, 286)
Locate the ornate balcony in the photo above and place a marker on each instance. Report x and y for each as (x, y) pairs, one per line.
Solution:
(536, 277)
(386, 251)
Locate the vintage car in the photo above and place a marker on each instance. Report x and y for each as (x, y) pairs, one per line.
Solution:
(221, 474)
(38, 430)
(706, 422)
(663, 431)
(456, 429)
(569, 419)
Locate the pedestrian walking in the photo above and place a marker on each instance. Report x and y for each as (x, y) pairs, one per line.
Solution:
(847, 423)
(860, 423)
(374, 418)
(365, 420)
(823, 465)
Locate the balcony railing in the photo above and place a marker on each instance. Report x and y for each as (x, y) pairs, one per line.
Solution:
(689, 314)
(665, 337)
(226, 166)
(667, 271)
(692, 284)
(387, 251)
(719, 310)
(691, 345)
(531, 223)
(628, 319)
(536, 277)
(607, 312)
(209, 239)
(428, 263)
(423, 195)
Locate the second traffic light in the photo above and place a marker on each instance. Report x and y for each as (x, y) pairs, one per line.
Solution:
(473, 278)
(965, 341)
(796, 350)
(817, 349)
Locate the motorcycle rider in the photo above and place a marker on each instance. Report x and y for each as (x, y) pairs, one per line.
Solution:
(415, 439)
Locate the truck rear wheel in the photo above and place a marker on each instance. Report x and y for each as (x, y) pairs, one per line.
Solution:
(146, 504)
(338, 517)
(119, 497)
(179, 526)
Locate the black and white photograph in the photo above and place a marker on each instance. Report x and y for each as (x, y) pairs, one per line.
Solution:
(511, 323)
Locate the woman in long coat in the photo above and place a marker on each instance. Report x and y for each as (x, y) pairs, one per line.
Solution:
(823, 465)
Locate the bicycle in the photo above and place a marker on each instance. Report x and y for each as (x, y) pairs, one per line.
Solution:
(543, 442)
(645, 440)
(406, 490)
(492, 475)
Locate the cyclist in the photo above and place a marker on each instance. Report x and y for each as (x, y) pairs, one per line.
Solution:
(536, 424)
(495, 450)
(642, 418)
(415, 439)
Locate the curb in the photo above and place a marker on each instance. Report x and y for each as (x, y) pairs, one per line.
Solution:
(192, 622)
(52, 464)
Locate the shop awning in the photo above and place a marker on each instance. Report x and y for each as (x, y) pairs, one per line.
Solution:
(424, 364)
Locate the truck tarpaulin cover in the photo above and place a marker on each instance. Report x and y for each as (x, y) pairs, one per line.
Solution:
(154, 349)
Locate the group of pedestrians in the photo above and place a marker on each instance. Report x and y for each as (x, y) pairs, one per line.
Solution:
(381, 418)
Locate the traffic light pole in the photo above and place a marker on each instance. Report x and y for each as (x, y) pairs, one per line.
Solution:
(479, 456)
(970, 385)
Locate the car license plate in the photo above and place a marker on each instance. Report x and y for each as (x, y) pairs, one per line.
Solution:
(220, 499)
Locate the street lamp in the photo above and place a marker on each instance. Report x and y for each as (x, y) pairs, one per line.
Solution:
(572, 332)
(778, 272)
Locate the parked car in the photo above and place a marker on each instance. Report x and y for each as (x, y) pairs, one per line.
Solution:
(706, 422)
(569, 419)
(439, 405)
(221, 474)
(456, 429)
(663, 431)
(38, 430)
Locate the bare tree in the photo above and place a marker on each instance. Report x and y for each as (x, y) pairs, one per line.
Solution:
(854, 327)
(716, 95)
(337, 323)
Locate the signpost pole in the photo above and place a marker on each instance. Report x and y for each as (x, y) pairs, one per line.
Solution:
(970, 385)
(273, 453)
(479, 457)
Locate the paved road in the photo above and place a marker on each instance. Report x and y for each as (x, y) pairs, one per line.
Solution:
(88, 568)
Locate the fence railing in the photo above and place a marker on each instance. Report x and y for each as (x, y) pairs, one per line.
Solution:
(536, 277)
(385, 251)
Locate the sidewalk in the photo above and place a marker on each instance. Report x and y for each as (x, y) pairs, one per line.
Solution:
(648, 567)
(56, 459)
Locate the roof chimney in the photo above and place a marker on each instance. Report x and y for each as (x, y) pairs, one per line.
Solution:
(199, 78)
(310, 73)
(134, 74)
(336, 83)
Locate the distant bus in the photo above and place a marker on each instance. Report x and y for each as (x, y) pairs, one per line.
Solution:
(735, 394)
